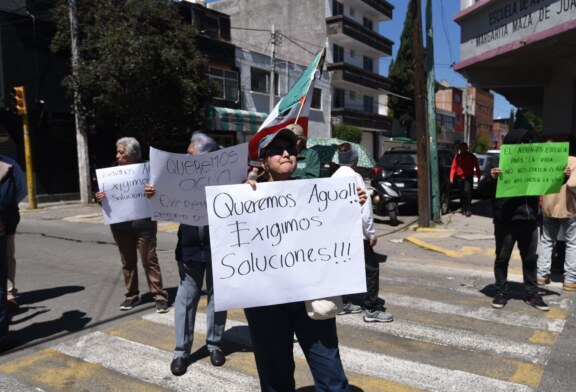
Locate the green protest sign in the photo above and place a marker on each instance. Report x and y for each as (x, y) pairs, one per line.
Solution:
(531, 169)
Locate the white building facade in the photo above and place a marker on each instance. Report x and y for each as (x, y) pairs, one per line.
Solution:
(348, 29)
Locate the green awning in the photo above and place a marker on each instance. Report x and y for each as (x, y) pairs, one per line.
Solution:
(235, 120)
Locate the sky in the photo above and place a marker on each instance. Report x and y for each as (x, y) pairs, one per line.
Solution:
(446, 44)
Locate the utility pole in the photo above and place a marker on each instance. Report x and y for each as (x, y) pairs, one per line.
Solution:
(467, 109)
(81, 134)
(421, 134)
(434, 186)
(272, 67)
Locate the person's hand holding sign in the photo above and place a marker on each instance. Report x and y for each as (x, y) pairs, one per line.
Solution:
(149, 190)
(495, 172)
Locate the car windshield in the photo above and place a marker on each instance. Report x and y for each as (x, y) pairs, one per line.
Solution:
(391, 158)
(480, 161)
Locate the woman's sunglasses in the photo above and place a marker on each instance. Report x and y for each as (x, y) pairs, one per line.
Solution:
(272, 151)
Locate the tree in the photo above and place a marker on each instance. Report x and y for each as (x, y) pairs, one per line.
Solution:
(139, 73)
(511, 120)
(481, 144)
(348, 132)
(401, 75)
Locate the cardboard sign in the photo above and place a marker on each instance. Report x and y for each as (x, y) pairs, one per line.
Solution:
(180, 179)
(285, 241)
(531, 169)
(124, 188)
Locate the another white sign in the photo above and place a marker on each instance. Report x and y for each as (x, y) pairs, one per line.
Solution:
(179, 181)
(285, 241)
(124, 188)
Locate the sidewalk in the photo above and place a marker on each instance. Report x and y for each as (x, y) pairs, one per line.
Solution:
(459, 236)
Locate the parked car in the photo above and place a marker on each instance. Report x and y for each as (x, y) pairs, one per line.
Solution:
(399, 166)
(485, 162)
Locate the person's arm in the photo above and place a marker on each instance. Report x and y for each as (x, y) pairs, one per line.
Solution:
(570, 171)
(312, 165)
(453, 169)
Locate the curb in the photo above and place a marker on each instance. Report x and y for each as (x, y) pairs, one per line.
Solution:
(435, 248)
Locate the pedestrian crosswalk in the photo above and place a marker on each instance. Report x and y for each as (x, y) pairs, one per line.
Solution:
(441, 340)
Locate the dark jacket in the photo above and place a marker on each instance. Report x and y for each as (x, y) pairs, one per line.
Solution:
(193, 244)
(521, 208)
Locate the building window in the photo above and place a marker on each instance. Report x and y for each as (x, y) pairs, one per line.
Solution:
(352, 12)
(367, 23)
(352, 53)
(260, 82)
(227, 82)
(368, 104)
(352, 96)
(338, 54)
(338, 98)
(316, 99)
(368, 64)
(457, 98)
(337, 8)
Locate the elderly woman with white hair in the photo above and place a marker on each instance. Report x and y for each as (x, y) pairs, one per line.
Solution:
(194, 259)
(136, 236)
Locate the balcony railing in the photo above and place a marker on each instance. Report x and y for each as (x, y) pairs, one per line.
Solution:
(383, 7)
(352, 74)
(341, 25)
(360, 119)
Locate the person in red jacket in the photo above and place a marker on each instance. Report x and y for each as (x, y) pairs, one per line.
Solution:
(463, 167)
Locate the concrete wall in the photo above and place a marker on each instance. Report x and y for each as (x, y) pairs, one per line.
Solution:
(560, 100)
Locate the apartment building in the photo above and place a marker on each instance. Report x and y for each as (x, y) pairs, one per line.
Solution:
(348, 30)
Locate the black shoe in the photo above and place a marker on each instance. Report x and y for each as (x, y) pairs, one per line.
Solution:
(162, 306)
(217, 357)
(468, 214)
(499, 301)
(129, 303)
(537, 301)
(179, 366)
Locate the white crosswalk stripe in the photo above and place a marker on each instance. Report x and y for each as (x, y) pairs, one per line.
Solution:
(403, 371)
(483, 313)
(150, 364)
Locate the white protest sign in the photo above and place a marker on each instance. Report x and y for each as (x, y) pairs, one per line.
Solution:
(179, 181)
(285, 241)
(124, 188)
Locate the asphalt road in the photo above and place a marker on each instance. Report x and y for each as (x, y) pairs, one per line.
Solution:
(445, 336)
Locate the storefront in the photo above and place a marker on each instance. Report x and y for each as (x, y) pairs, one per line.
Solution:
(232, 126)
(525, 51)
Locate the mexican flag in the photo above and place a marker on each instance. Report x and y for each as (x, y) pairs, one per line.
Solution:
(293, 108)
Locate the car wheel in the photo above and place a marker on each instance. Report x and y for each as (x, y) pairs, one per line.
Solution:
(444, 202)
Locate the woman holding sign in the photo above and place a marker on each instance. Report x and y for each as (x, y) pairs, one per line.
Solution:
(272, 328)
(136, 236)
(194, 263)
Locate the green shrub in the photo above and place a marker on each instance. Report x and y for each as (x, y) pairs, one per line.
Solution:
(348, 132)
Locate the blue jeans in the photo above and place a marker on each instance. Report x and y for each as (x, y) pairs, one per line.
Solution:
(186, 304)
(4, 316)
(550, 229)
(272, 331)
